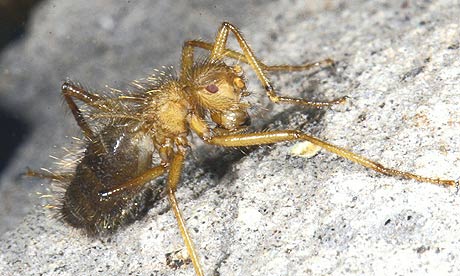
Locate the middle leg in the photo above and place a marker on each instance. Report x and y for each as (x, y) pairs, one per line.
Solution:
(173, 179)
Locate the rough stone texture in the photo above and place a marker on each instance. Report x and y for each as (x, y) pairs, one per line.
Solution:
(268, 213)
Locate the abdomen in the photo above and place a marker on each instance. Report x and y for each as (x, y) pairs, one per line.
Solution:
(114, 158)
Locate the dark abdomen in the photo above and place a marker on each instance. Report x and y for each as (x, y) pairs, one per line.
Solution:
(114, 158)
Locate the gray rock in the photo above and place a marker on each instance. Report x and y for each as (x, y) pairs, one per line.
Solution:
(267, 213)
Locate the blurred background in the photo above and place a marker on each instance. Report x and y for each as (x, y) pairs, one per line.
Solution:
(14, 16)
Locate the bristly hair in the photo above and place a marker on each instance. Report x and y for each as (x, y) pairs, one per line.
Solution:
(62, 173)
(203, 67)
(153, 82)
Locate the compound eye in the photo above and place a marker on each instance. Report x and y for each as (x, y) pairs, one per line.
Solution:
(212, 88)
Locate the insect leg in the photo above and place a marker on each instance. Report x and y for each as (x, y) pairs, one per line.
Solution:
(303, 67)
(49, 175)
(136, 182)
(260, 138)
(188, 56)
(187, 61)
(218, 52)
(70, 91)
(173, 179)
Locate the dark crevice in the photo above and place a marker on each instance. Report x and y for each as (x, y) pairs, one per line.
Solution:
(13, 133)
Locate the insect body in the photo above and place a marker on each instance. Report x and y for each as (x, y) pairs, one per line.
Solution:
(125, 130)
(115, 156)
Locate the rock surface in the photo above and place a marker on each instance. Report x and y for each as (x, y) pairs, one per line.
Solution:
(267, 213)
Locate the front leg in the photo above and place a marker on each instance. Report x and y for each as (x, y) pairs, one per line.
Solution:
(188, 58)
(262, 138)
(219, 51)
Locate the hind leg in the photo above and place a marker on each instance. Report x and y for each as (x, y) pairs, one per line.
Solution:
(49, 175)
